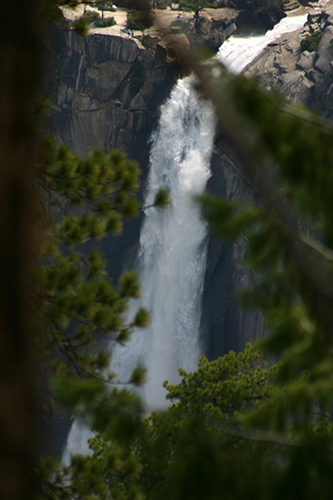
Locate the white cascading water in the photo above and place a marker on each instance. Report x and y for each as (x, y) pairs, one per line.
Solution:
(172, 255)
(237, 52)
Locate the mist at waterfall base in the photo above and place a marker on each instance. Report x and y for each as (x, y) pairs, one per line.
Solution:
(172, 255)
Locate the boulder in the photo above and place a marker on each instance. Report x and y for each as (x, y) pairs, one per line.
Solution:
(306, 60)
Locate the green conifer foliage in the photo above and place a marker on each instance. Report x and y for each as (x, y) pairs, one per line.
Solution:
(78, 304)
(205, 405)
(138, 20)
(221, 388)
(288, 159)
(200, 446)
(196, 6)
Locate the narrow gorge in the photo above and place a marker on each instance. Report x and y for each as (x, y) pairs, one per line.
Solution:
(107, 92)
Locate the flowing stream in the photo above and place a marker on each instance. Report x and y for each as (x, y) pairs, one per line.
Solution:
(237, 52)
(172, 256)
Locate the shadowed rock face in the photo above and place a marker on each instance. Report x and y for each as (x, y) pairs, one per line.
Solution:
(105, 90)
(225, 325)
(305, 77)
(106, 93)
(252, 5)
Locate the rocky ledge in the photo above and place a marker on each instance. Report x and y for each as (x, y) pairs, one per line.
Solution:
(214, 26)
(300, 64)
(104, 89)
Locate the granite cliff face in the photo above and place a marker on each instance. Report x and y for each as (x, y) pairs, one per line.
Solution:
(216, 25)
(225, 325)
(107, 91)
(302, 77)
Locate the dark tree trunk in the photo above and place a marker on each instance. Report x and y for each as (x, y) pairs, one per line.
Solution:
(19, 56)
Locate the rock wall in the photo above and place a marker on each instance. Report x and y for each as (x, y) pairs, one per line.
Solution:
(225, 325)
(302, 77)
(252, 5)
(105, 90)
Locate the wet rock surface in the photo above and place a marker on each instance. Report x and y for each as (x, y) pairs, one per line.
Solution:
(225, 325)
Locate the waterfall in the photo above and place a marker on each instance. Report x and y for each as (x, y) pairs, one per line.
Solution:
(172, 254)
